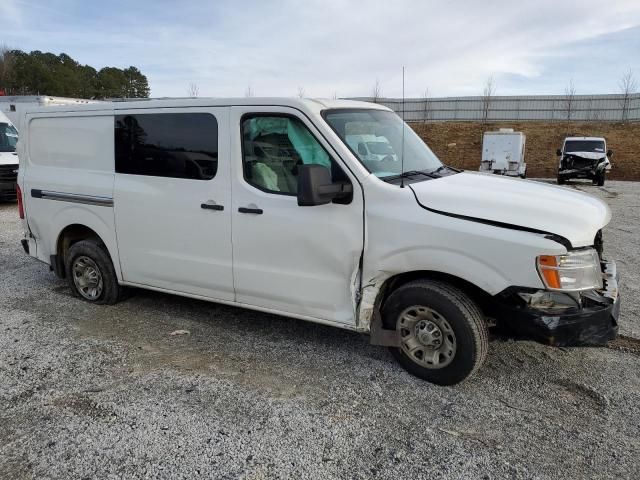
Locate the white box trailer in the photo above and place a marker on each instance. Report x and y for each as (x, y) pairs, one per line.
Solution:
(503, 153)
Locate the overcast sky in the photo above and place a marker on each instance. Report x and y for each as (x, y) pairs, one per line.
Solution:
(340, 47)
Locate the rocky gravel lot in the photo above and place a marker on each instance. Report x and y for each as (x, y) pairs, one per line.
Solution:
(107, 392)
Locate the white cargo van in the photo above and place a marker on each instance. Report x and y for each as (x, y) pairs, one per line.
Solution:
(8, 159)
(262, 203)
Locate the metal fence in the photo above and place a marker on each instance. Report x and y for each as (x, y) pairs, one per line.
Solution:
(612, 107)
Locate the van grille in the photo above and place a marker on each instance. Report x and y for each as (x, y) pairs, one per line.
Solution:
(8, 173)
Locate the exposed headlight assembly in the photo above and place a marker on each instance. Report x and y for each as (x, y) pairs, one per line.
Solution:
(575, 271)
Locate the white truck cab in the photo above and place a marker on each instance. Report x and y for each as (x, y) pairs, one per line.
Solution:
(263, 203)
(584, 157)
(8, 159)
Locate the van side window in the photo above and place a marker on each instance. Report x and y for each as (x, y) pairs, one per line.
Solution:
(274, 146)
(178, 145)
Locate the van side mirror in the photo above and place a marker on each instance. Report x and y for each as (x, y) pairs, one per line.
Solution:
(316, 188)
(362, 150)
(559, 152)
(609, 153)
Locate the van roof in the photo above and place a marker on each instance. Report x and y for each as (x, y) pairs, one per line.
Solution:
(595, 139)
(314, 105)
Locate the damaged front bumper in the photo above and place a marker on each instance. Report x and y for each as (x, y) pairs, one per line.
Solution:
(592, 321)
(587, 172)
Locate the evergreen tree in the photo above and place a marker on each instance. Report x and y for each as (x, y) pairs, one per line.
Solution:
(40, 73)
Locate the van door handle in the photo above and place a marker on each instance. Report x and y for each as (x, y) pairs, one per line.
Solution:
(257, 211)
(211, 205)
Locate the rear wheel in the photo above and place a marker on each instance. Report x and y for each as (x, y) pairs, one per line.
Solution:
(443, 336)
(90, 273)
(561, 180)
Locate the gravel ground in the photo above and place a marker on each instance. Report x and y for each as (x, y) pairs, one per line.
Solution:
(106, 392)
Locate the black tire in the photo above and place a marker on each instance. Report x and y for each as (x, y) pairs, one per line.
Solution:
(601, 179)
(463, 317)
(561, 180)
(111, 292)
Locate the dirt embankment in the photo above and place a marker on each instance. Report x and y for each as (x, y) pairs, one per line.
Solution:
(459, 144)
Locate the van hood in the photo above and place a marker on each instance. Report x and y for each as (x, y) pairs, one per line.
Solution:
(8, 158)
(587, 155)
(522, 204)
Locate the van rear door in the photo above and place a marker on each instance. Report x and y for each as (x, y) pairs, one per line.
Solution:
(172, 199)
(297, 260)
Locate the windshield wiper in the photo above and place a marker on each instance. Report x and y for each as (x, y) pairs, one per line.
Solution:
(409, 173)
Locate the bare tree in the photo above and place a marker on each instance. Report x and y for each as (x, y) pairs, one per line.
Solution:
(569, 100)
(6, 64)
(588, 108)
(596, 113)
(193, 91)
(427, 112)
(300, 92)
(628, 86)
(249, 92)
(376, 93)
(488, 92)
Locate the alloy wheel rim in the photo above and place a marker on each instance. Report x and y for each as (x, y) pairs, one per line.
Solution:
(426, 337)
(87, 278)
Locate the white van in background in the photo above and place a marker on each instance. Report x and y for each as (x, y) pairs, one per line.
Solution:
(371, 147)
(14, 106)
(8, 159)
(584, 157)
(158, 194)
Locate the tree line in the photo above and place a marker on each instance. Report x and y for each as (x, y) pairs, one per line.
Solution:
(42, 73)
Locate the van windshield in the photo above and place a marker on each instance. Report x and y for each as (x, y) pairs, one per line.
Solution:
(593, 146)
(375, 138)
(8, 138)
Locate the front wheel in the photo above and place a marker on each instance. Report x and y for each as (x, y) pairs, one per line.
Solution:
(443, 336)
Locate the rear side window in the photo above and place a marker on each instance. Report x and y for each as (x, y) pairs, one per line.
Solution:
(83, 142)
(177, 145)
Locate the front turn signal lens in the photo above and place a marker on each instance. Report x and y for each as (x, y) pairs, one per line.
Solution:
(548, 268)
(575, 271)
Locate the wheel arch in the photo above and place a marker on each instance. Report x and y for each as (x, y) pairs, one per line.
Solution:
(377, 291)
(400, 279)
(69, 235)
